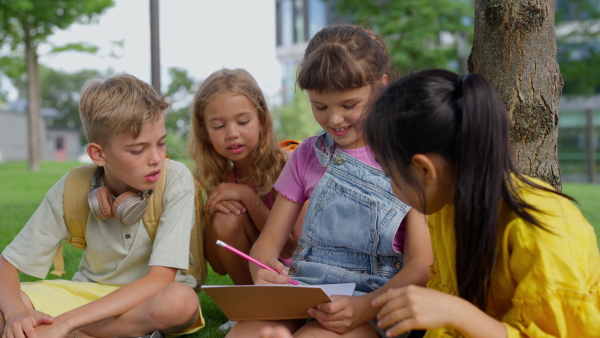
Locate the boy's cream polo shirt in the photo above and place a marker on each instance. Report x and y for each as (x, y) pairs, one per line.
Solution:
(115, 254)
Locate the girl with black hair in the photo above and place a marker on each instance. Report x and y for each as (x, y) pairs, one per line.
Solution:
(513, 257)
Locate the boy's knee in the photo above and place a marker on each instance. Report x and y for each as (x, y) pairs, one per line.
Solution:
(179, 305)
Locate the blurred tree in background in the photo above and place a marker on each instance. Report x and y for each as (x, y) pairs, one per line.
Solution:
(24, 25)
(419, 33)
(578, 34)
(180, 93)
(295, 120)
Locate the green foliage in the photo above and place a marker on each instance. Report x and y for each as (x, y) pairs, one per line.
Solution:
(76, 47)
(180, 91)
(181, 82)
(41, 18)
(61, 90)
(578, 30)
(29, 23)
(295, 120)
(413, 29)
(12, 65)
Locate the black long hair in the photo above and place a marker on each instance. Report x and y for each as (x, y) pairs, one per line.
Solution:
(463, 119)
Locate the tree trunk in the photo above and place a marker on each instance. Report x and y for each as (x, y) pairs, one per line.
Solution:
(33, 105)
(514, 47)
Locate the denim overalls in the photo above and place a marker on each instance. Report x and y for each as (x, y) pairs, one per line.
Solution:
(350, 225)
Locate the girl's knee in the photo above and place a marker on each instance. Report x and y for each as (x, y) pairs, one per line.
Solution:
(225, 225)
(255, 328)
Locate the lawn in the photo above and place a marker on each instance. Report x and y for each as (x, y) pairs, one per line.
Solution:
(21, 192)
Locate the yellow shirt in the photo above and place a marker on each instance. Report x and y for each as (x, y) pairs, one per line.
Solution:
(544, 284)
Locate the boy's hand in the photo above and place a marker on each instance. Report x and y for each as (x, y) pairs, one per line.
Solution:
(51, 331)
(341, 315)
(264, 276)
(24, 324)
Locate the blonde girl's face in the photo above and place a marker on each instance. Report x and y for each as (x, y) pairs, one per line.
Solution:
(338, 113)
(232, 125)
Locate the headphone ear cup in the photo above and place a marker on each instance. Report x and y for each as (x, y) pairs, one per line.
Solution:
(129, 207)
(105, 201)
(120, 199)
(100, 201)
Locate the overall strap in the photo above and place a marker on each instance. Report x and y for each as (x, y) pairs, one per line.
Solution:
(324, 148)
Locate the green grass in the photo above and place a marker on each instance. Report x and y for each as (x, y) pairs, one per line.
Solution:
(588, 201)
(22, 191)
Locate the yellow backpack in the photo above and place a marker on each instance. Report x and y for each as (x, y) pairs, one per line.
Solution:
(77, 210)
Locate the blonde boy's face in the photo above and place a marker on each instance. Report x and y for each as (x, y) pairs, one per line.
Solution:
(134, 163)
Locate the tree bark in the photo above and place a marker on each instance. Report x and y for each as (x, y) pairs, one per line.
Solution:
(33, 105)
(514, 47)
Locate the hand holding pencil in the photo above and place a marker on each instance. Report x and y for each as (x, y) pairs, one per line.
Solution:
(251, 259)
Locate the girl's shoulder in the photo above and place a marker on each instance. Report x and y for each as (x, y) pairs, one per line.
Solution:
(559, 217)
(305, 148)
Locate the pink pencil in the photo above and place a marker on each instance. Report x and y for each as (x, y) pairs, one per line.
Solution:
(238, 252)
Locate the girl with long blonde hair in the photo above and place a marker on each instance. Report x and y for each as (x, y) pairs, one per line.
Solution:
(234, 148)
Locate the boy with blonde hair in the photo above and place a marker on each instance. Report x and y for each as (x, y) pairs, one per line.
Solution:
(128, 285)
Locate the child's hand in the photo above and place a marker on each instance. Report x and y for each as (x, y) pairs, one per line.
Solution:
(24, 324)
(228, 192)
(415, 307)
(341, 315)
(51, 331)
(264, 276)
(227, 207)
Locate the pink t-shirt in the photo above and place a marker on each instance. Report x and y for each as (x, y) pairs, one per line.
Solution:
(302, 173)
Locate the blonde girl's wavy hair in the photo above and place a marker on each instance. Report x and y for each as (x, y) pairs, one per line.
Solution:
(211, 168)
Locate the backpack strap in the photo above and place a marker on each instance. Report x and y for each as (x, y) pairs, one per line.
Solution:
(76, 210)
(155, 208)
(197, 266)
(288, 145)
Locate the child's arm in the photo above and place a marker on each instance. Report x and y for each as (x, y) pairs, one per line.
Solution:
(415, 307)
(272, 239)
(346, 313)
(114, 304)
(18, 319)
(292, 242)
(254, 206)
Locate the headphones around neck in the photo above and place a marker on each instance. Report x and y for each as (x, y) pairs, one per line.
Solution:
(128, 208)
